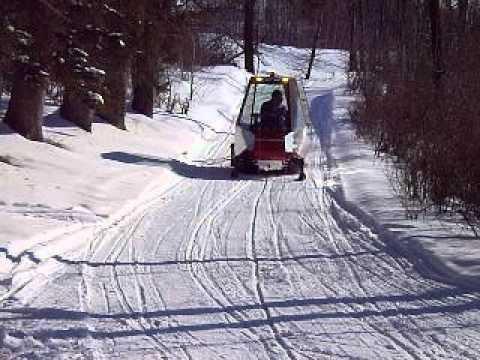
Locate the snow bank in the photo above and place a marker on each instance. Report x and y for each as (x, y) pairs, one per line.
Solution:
(441, 248)
(77, 177)
(56, 192)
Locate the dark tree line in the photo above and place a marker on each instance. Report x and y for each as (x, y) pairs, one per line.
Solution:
(300, 23)
(416, 64)
(91, 49)
(94, 53)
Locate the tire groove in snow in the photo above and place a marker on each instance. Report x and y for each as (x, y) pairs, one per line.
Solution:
(257, 280)
(196, 267)
(405, 346)
(136, 322)
(208, 218)
(327, 236)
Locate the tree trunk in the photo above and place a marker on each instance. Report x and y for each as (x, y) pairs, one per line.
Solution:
(353, 65)
(463, 10)
(76, 110)
(248, 35)
(116, 83)
(314, 49)
(25, 108)
(362, 41)
(436, 41)
(143, 85)
(144, 77)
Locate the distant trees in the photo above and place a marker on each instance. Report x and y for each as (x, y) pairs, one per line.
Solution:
(296, 23)
(281, 22)
(99, 55)
(88, 48)
(416, 63)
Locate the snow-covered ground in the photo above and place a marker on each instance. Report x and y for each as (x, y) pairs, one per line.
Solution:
(76, 180)
(138, 244)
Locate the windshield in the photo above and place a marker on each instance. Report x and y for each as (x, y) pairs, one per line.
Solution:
(257, 95)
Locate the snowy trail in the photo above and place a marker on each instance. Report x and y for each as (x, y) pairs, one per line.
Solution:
(256, 268)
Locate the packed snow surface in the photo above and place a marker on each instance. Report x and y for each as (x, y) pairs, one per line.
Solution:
(139, 245)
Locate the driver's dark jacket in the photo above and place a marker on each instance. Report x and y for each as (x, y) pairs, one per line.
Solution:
(273, 115)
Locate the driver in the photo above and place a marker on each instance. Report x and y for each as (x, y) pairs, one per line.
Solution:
(273, 113)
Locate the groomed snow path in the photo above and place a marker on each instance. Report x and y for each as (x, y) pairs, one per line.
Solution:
(253, 268)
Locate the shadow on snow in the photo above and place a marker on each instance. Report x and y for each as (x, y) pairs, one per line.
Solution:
(179, 167)
(205, 170)
(414, 310)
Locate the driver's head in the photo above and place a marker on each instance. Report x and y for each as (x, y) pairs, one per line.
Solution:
(277, 96)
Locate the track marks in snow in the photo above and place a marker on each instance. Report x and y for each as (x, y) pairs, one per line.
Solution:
(257, 277)
(201, 236)
(338, 234)
(258, 268)
(135, 322)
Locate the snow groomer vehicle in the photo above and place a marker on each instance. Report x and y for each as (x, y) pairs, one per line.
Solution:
(270, 126)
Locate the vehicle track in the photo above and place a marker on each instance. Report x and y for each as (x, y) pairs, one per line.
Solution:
(402, 343)
(196, 246)
(257, 278)
(198, 272)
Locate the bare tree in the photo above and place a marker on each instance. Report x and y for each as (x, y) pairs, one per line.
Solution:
(317, 20)
(436, 42)
(248, 35)
(417, 92)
